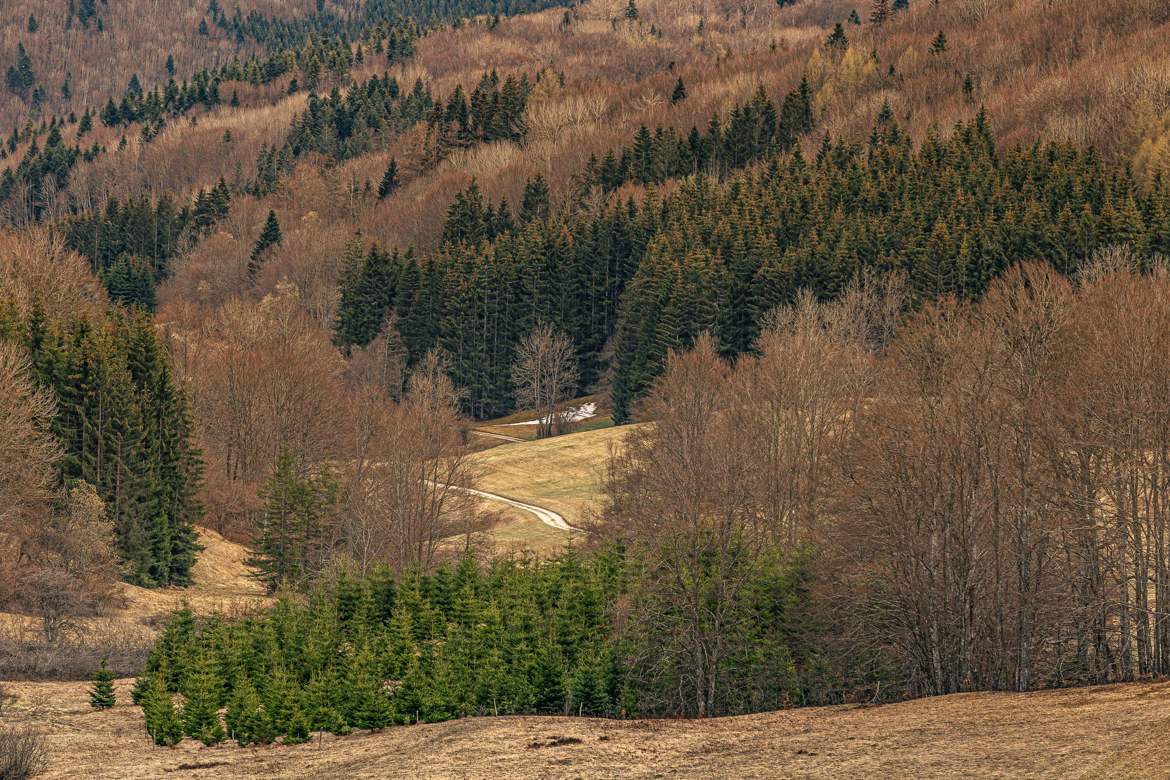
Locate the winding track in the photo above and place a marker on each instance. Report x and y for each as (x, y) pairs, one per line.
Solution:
(546, 516)
(489, 434)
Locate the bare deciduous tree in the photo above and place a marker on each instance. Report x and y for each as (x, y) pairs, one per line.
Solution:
(406, 488)
(545, 375)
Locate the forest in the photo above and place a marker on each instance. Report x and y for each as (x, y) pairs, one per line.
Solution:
(875, 293)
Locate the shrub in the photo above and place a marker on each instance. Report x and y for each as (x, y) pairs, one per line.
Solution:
(22, 754)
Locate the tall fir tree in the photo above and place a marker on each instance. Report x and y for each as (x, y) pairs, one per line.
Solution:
(389, 181)
(290, 527)
(270, 236)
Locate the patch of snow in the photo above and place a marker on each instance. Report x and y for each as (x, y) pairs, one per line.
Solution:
(572, 414)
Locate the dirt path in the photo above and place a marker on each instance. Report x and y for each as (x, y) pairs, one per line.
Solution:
(499, 436)
(546, 516)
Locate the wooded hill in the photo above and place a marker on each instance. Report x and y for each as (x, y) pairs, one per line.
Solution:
(266, 291)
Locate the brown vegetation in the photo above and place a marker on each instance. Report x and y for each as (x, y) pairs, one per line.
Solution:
(136, 38)
(1106, 733)
(985, 493)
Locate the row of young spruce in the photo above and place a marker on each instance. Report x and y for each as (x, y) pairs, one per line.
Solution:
(516, 637)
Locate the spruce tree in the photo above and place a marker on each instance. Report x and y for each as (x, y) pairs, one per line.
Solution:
(163, 723)
(246, 720)
(270, 236)
(202, 693)
(101, 695)
(837, 39)
(389, 180)
(290, 526)
(140, 689)
(631, 10)
(20, 76)
(939, 44)
(298, 729)
(680, 92)
(367, 706)
(535, 203)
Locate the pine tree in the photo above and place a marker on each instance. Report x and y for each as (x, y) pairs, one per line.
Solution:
(389, 180)
(680, 92)
(631, 10)
(270, 236)
(101, 695)
(939, 44)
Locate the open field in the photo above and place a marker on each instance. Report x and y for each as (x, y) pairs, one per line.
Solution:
(1105, 732)
(562, 473)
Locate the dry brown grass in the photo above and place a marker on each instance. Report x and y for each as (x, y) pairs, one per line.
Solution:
(562, 473)
(1106, 733)
(222, 584)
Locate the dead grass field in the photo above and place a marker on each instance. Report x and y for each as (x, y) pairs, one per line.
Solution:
(562, 473)
(1103, 733)
(222, 583)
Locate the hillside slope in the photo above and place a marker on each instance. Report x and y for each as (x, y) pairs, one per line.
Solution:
(1105, 732)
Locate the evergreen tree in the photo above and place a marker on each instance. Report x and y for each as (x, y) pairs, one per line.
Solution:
(290, 527)
(939, 44)
(298, 729)
(246, 720)
(837, 39)
(20, 76)
(101, 695)
(270, 236)
(366, 706)
(140, 689)
(680, 92)
(535, 203)
(202, 694)
(163, 723)
(631, 10)
(879, 13)
(389, 180)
